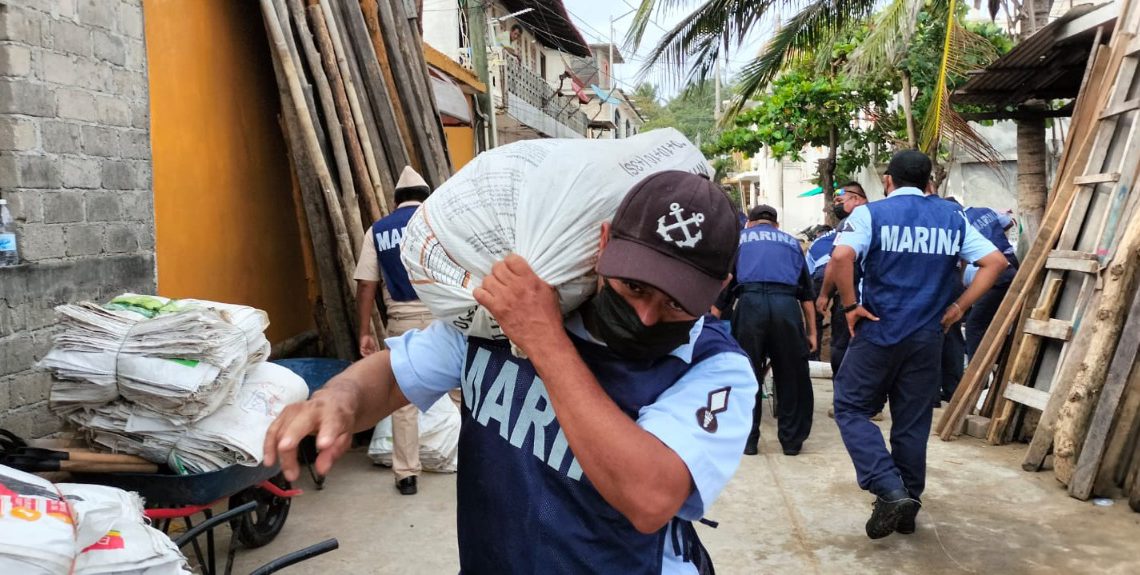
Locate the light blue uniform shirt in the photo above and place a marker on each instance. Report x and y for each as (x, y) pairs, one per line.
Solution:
(856, 232)
(429, 363)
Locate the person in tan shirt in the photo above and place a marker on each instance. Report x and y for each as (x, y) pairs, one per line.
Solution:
(380, 273)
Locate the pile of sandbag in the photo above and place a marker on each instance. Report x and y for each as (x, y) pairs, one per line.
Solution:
(542, 199)
(63, 529)
(179, 358)
(439, 438)
(182, 382)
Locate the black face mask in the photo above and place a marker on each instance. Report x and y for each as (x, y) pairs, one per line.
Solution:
(839, 210)
(618, 325)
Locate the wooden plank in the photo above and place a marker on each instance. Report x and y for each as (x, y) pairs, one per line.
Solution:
(372, 18)
(1088, 263)
(1075, 416)
(1023, 362)
(1121, 108)
(1051, 328)
(1124, 435)
(1079, 142)
(1034, 398)
(1096, 179)
(1123, 359)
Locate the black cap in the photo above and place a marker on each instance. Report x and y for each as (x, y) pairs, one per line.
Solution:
(910, 167)
(762, 212)
(677, 232)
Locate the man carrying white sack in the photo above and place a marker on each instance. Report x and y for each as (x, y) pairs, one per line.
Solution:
(380, 261)
(629, 417)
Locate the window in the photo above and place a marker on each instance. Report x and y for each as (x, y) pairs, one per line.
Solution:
(542, 65)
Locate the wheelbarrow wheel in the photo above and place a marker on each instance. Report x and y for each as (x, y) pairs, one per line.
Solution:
(261, 526)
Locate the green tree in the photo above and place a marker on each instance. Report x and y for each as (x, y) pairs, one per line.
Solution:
(690, 112)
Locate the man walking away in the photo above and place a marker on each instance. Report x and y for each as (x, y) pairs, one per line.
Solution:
(993, 226)
(849, 196)
(910, 245)
(380, 262)
(774, 319)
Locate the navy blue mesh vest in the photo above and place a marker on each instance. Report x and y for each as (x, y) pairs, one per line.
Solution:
(988, 223)
(820, 252)
(769, 255)
(387, 235)
(910, 271)
(524, 504)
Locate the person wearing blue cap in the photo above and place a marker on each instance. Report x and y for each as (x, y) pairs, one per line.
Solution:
(909, 245)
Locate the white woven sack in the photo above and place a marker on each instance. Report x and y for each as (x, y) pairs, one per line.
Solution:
(542, 199)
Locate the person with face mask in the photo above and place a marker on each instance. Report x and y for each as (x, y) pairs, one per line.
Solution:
(909, 245)
(589, 443)
(773, 319)
(848, 197)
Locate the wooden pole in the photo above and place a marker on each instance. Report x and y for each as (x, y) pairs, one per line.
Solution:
(332, 125)
(414, 92)
(340, 101)
(379, 96)
(1073, 419)
(406, 157)
(324, 253)
(354, 103)
(309, 138)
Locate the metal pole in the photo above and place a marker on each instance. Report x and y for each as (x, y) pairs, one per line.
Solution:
(477, 28)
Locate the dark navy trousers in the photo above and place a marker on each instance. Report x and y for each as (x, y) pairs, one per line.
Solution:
(768, 322)
(909, 374)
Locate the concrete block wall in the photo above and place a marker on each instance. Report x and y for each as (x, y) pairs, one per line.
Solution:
(75, 168)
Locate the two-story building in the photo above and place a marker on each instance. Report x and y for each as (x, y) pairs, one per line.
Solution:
(611, 113)
(529, 45)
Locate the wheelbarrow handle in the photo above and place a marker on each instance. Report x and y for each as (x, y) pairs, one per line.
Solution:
(213, 522)
(297, 557)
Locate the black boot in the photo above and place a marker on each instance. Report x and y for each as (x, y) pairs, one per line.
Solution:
(889, 510)
(751, 445)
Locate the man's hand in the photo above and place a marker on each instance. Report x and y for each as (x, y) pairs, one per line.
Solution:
(821, 304)
(368, 345)
(952, 316)
(329, 413)
(857, 314)
(525, 307)
(812, 347)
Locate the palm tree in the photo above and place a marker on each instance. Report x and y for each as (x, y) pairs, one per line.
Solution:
(694, 45)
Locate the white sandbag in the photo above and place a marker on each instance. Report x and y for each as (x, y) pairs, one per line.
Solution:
(36, 525)
(439, 438)
(542, 199)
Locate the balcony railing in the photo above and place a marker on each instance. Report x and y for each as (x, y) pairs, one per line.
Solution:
(537, 93)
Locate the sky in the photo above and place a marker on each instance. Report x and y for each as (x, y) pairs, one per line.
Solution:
(592, 17)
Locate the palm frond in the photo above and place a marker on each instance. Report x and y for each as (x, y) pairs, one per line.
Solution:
(691, 48)
(891, 31)
(814, 25)
(942, 122)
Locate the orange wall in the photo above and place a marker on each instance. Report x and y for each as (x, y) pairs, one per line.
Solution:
(225, 219)
(460, 145)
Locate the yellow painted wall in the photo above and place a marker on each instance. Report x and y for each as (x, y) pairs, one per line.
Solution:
(225, 219)
(460, 145)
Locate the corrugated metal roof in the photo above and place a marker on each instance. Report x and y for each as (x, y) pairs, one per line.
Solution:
(1047, 65)
(551, 24)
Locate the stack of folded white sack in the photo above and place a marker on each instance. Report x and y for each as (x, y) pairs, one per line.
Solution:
(65, 528)
(182, 382)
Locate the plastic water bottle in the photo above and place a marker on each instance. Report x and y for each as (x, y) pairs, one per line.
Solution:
(8, 255)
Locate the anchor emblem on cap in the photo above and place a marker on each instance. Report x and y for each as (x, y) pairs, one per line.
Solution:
(666, 231)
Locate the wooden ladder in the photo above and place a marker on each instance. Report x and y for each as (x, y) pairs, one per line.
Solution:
(1103, 172)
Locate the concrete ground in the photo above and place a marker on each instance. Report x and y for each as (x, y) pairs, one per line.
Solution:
(780, 514)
